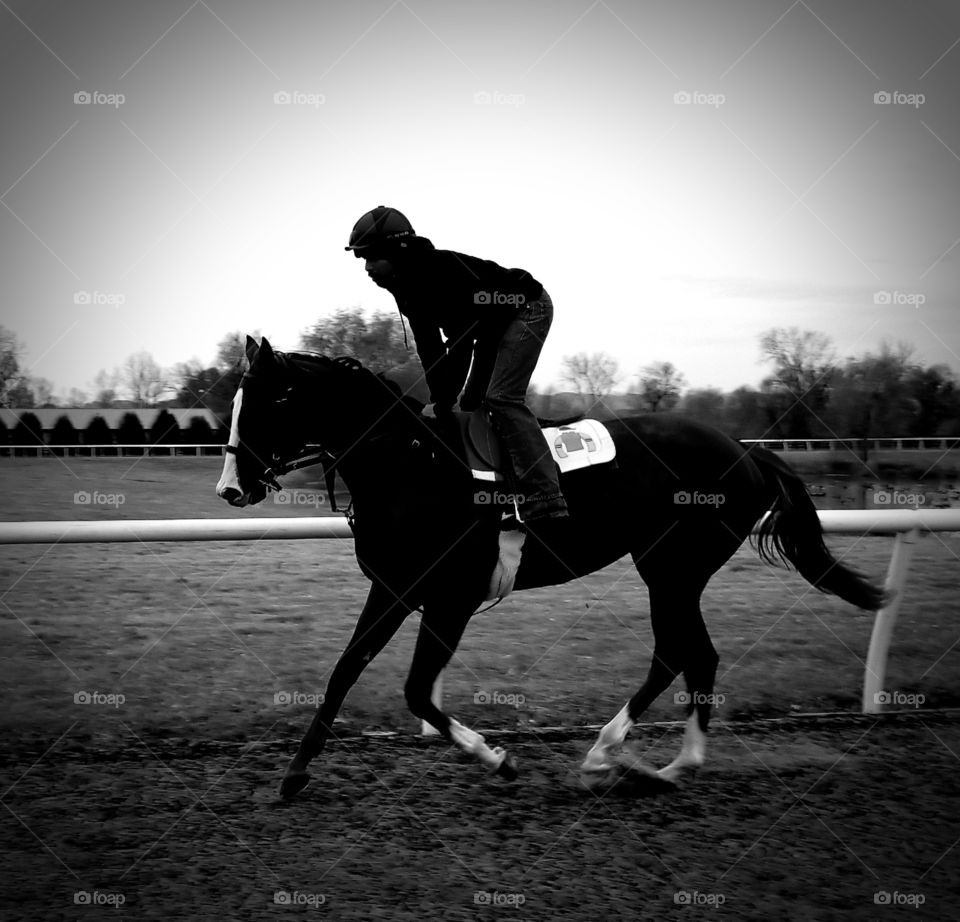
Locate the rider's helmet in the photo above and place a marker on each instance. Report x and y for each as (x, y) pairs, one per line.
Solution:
(380, 229)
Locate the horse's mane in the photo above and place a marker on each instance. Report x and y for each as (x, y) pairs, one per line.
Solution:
(349, 362)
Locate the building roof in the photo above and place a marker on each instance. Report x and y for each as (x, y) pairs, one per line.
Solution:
(82, 416)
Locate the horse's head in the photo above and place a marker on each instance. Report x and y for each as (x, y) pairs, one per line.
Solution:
(282, 394)
(260, 427)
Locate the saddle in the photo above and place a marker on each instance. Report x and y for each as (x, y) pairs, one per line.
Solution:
(575, 445)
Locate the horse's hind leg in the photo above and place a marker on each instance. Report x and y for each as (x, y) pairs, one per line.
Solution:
(681, 644)
(440, 632)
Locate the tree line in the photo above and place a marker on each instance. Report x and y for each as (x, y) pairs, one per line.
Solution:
(808, 393)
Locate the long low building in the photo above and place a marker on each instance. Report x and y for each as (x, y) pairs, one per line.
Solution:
(81, 417)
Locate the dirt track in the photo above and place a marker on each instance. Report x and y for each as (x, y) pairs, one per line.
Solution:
(804, 821)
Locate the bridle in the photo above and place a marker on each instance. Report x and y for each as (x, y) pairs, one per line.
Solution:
(305, 455)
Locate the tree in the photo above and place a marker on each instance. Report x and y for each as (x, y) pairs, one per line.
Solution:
(231, 350)
(43, 392)
(105, 388)
(705, 405)
(28, 430)
(130, 431)
(64, 432)
(591, 376)
(378, 342)
(165, 430)
(743, 414)
(4, 433)
(198, 432)
(20, 394)
(77, 397)
(660, 387)
(798, 390)
(143, 378)
(209, 388)
(871, 396)
(10, 352)
(935, 391)
(98, 432)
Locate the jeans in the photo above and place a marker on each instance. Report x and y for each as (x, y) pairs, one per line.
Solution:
(534, 469)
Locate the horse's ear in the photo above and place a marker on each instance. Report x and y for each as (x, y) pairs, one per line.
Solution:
(266, 352)
(251, 349)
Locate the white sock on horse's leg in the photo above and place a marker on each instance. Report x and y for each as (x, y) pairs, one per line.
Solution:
(473, 744)
(611, 737)
(692, 752)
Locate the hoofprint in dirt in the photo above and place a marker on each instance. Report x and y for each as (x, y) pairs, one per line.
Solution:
(853, 819)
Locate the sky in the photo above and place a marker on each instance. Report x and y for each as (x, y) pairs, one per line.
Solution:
(681, 176)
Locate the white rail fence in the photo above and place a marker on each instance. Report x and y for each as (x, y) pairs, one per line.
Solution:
(163, 450)
(906, 524)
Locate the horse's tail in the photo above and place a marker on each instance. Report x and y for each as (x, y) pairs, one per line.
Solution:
(791, 533)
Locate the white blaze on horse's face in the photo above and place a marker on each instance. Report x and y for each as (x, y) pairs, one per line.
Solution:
(229, 486)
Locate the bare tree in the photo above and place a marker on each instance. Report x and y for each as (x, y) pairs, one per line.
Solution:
(10, 351)
(143, 378)
(591, 376)
(798, 390)
(232, 350)
(660, 386)
(105, 388)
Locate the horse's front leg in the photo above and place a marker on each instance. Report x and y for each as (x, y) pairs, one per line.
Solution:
(440, 633)
(382, 615)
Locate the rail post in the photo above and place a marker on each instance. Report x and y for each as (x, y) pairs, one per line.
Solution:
(876, 669)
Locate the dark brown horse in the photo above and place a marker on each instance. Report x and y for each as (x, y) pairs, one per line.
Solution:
(680, 499)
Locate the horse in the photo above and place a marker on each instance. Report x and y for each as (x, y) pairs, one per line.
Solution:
(679, 498)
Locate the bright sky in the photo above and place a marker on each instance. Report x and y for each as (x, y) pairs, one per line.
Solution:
(775, 192)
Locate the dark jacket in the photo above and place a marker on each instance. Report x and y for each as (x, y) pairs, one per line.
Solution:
(469, 301)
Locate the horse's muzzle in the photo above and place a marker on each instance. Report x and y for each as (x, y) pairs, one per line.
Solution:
(233, 496)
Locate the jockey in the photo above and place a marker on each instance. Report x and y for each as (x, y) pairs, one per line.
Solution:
(462, 308)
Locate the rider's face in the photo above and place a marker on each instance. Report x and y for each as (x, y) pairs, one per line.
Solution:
(380, 269)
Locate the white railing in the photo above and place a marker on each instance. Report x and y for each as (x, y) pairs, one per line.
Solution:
(914, 443)
(161, 450)
(906, 524)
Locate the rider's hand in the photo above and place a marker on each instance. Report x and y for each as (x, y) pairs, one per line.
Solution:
(437, 411)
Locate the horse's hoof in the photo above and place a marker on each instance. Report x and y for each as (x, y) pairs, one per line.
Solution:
(293, 784)
(507, 769)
